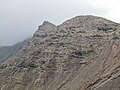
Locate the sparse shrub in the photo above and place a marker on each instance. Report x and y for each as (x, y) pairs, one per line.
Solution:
(81, 32)
(32, 65)
(106, 27)
(115, 37)
(97, 35)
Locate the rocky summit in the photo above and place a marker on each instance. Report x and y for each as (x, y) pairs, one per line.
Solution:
(82, 53)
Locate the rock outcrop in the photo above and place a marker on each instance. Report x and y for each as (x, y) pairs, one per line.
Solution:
(82, 53)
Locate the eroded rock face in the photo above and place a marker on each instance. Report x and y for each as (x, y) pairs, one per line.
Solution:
(80, 54)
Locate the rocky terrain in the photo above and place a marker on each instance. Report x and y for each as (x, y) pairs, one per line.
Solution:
(8, 51)
(82, 53)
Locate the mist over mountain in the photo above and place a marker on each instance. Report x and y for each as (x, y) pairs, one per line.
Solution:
(19, 18)
(82, 53)
(8, 51)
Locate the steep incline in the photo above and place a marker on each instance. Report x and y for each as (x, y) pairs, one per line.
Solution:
(80, 54)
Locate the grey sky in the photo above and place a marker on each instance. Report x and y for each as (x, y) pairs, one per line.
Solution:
(19, 18)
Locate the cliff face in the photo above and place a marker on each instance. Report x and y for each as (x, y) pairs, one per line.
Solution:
(80, 54)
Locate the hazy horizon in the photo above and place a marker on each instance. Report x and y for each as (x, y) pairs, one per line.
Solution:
(19, 19)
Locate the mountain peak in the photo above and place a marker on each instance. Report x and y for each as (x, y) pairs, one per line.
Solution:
(89, 22)
(45, 29)
(88, 19)
(47, 23)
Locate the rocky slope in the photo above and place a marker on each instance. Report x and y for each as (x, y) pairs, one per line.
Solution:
(82, 53)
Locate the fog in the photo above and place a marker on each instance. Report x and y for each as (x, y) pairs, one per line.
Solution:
(19, 19)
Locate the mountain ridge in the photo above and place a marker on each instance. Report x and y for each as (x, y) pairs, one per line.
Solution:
(80, 54)
(8, 51)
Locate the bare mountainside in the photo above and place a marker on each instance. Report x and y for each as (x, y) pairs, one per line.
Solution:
(82, 53)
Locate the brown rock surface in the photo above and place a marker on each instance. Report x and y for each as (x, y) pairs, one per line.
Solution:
(82, 53)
